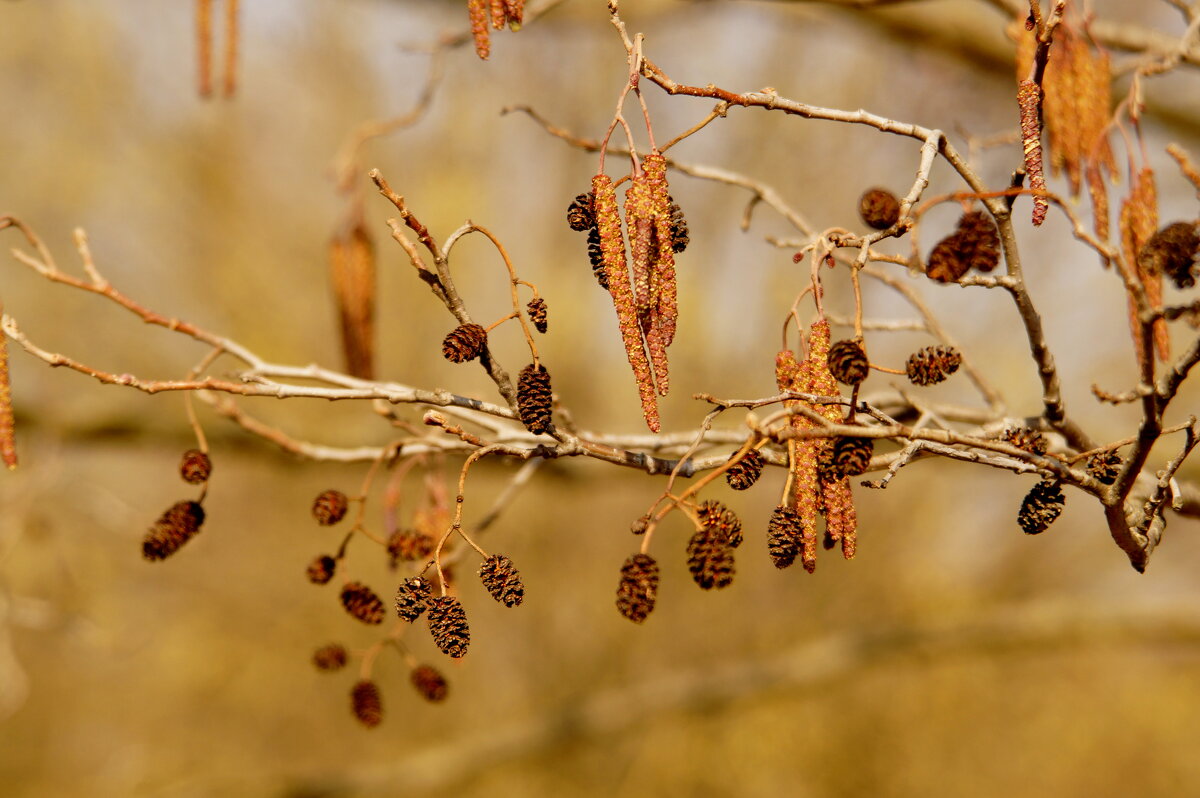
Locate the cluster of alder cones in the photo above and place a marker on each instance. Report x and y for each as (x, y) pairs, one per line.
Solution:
(183, 519)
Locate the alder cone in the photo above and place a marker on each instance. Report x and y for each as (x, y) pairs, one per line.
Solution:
(848, 362)
(502, 580)
(596, 257)
(638, 588)
(330, 658)
(1029, 440)
(744, 473)
(850, 456)
(465, 342)
(409, 545)
(534, 399)
(980, 241)
(580, 213)
(366, 703)
(321, 569)
(430, 683)
(1105, 467)
(722, 521)
(1041, 507)
(537, 314)
(932, 365)
(176, 526)
(412, 598)
(680, 237)
(330, 507)
(1173, 251)
(946, 262)
(195, 467)
(362, 602)
(448, 625)
(710, 559)
(784, 536)
(879, 208)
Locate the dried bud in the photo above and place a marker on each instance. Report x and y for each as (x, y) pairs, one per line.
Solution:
(1105, 467)
(879, 208)
(366, 704)
(176, 526)
(933, 364)
(537, 313)
(638, 589)
(448, 625)
(361, 602)
(330, 658)
(195, 467)
(534, 399)
(1041, 507)
(321, 569)
(429, 683)
(412, 598)
(784, 536)
(330, 507)
(743, 474)
(848, 362)
(502, 580)
(580, 214)
(1030, 440)
(465, 342)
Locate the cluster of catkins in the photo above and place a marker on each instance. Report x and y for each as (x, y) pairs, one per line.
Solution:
(498, 13)
(183, 519)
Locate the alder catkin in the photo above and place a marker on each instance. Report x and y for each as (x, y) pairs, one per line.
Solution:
(330, 507)
(195, 467)
(502, 580)
(448, 625)
(477, 12)
(366, 703)
(638, 588)
(535, 399)
(362, 602)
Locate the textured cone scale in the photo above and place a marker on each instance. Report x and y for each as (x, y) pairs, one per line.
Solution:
(743, 474)
(321, 569)
(502, 580)
(879, 208)
(850, 456)
(580, 214)
(710, 559)
(980, 241)
(330, 507)
(362, 602)
(1173, 251)
(537, 314)
(680, 237)
(1029, 440)
(596, 257)
(366, 703)
(409, 545)
(534, 399)
(1105, 467)
(465, 342)
(722, 521)
(947, 263)
(784, 536)
(848, 362)
(330, 658)
(932, 364)
(1040, 507)
(412, 598)
(430, 683)
(638, 588)
(195, 467)
(448, 625)
(176, 526)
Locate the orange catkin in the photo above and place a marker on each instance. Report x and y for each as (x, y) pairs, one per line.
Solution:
(8, 447)
(477, 11)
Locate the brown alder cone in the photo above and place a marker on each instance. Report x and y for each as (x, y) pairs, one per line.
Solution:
(502, 580)
(612, 245)
(710, 559)
(745, 472)
(1138, 221)
(8, 446)
(352, 269)
(366, 703)
(720, 519)
(1029, 99)
(412, 598)
(362, 602)
(330, 507)
(330, 658)
(321, 569)
(195, 467)
(477, 11)
(448, 625)
(932, 365)
(175, 527)
(430, 683)
(784, 536)
(638, 588)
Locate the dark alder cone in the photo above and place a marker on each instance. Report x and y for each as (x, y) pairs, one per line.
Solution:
(537, 313)
(176, 526)
(465, 342)
(195, 467)
(879, 208)
(948, 262)
(580, 214)
(679, 227)
(534, 398)
(743, 474)
(1029, 440)
(448, 625)
(932, 364)
(848, 362)
(409, 545)
(502, 580)
(330, 507)
(850, 457)
(721, 520)
(596, 258)
(366, 703)
(980, 241)
(784, 536)
(412, 598)
(1173, 251)
(429, 683)
(1105, 467)
(640, 526)
(321, 569)
(710, 559)
(638, 589)
(1040, 507)
(330, 658)
(361, 602)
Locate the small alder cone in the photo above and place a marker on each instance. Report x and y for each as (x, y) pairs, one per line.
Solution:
(195, 467)
(879, 208)
(946, 263)
(534, 398)
(848, 362)
(176, 526)
(465, 342)
(321, 569)
(409, 545)
(330, 507)
(580, 213)
(850, 457)
(502, 580)
(980, 241)
(721, 520)
(744, 473)
(330, 658)
(412, 598)
(430, 683)
(680, 237)
(366, 703)
(596, 257)
(1173, 251)
(1041, 506)
(710, 559)
(640, 526)
(448, 625)
(361, 602)
(537, 314)
(638, 588)
(1105, 467)
(932, 365)
(784, 536)
(1030, 440)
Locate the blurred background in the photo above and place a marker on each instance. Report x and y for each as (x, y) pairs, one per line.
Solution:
(953, 656)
